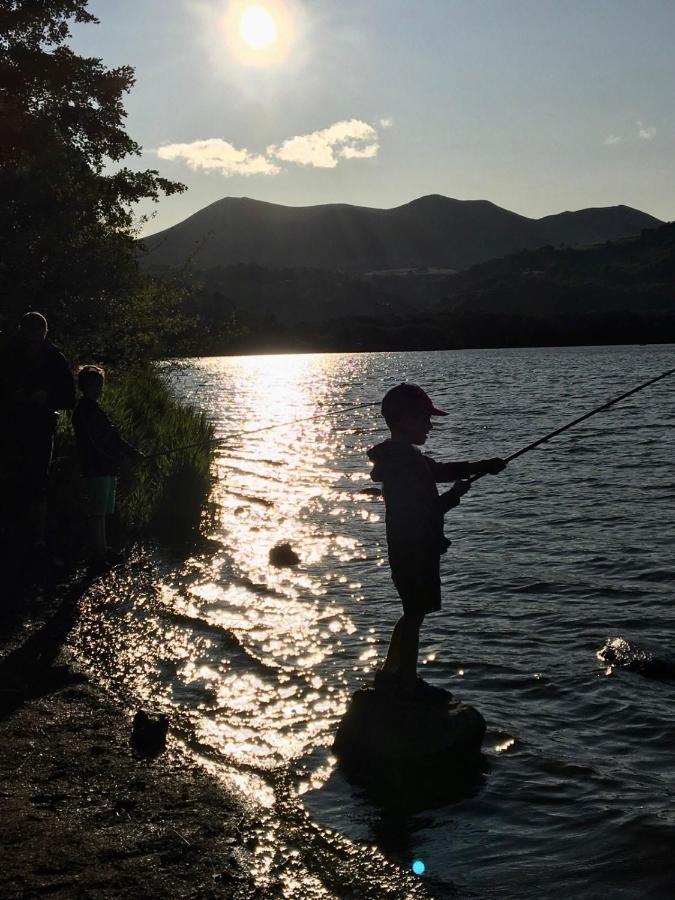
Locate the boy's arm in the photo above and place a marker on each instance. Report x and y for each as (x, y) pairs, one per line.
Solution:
(450, 499)
(107, 439)
(456, 471)
(122, 446)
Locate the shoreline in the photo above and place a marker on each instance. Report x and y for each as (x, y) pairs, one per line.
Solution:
(85, 817)
(293, 350)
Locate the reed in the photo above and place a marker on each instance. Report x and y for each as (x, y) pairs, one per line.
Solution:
(164, 497)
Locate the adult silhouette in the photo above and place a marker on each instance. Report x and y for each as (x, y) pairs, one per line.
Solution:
(36, 382)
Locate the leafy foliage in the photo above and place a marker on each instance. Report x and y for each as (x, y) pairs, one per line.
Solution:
(67, 228)
(163, 496)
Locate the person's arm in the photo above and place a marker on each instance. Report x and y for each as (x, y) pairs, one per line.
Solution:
(60, 389)
(121, 447)
(106, 438)
(456, 471)
(450, 499)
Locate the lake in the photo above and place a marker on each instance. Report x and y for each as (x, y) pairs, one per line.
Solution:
(571, 545)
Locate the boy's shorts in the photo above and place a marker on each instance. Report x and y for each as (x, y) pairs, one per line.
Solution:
(418, 582)
(101, 494)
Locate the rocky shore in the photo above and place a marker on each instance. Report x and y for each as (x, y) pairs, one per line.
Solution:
(83, 815)
(86, 817)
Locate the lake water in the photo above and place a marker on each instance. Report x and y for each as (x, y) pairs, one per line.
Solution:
(571, 545)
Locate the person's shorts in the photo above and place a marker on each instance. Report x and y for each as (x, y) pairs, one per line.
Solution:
(100, 492)
(418, 582)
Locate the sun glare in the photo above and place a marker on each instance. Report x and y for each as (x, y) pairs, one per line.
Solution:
(259, 34)
(257, 27)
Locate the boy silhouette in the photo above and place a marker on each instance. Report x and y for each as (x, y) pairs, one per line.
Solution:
(414, 525)
(101, 449)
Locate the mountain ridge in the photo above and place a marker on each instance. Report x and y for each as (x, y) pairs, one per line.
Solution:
(432, 230)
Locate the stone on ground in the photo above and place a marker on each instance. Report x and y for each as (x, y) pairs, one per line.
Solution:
(409, 748)
(148, 732)
(283, 555)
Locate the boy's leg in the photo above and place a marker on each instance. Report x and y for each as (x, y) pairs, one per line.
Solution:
(393, 661)
(37, 515)
(409, 648)
(97, 536)
(96, 488)
(404, 647)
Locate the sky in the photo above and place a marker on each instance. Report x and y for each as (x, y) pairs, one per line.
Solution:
(539, 106)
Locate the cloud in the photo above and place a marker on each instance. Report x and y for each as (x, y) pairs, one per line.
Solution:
(323, 149)
(612, 139)
(645, 132)
(216, 155)
(386, 122)
(352, 139)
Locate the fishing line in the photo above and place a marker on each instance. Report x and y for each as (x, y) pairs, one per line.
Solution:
(587, 415)
(236, 434)
(343, 409)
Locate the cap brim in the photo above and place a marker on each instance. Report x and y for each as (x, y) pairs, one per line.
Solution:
(438, 412)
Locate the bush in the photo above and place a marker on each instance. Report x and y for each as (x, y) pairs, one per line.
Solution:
(165, 496)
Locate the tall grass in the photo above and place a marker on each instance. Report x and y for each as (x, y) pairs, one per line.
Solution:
(164, 497)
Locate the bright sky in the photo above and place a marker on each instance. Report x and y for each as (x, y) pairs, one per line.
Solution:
(537, 105)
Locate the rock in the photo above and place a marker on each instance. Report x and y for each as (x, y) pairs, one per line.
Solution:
(148, 732)
(409, 749)
(283, 555)
(620, 652)
(371, 491)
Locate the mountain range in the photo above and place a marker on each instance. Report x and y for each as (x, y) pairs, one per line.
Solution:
(432, 231)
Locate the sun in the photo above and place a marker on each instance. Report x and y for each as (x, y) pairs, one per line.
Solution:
(260, 34)
(257, 27)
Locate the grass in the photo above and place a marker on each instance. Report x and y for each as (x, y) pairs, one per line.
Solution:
(164, 497)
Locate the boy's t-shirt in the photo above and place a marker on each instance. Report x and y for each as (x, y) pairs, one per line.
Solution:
(100, 446)
(413, 508)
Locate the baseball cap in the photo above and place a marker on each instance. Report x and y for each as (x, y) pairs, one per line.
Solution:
(408, 400)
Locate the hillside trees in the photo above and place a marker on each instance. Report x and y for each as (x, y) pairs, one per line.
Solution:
(67, 227)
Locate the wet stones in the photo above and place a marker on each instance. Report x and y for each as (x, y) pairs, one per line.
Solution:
(409, 750)
(148, 732)
(283, 555)
(623, 654)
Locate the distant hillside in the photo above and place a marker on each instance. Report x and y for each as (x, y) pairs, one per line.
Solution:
(636, 275)
(432, 231)
(616, 292)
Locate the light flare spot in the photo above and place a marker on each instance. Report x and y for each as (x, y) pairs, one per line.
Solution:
(257, 27)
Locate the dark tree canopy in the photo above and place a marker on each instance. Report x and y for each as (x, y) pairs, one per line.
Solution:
(67, 227)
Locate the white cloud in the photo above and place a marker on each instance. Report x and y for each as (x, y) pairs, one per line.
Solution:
(645, 132)
(323, 149)
(613, 139)
(387, 122)
(216, 155)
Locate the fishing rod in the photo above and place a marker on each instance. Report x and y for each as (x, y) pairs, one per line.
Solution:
(342, 409)
(587, 415)
(223, 440)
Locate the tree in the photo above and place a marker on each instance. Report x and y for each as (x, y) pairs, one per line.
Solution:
(67, 228)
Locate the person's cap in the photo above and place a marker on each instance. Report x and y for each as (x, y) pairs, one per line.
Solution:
(408, 400)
